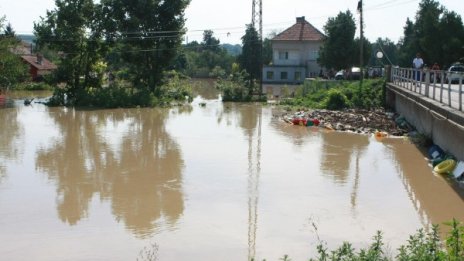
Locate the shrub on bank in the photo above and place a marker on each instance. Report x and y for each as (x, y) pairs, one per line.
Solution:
(339, 95)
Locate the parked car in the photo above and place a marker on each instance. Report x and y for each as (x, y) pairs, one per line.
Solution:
(340, 75)
(455, 73)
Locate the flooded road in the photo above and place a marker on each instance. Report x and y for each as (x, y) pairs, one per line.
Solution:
(215, 182)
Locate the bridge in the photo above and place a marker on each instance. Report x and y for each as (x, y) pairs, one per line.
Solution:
(432, 103)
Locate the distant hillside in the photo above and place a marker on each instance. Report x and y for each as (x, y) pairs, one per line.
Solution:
(29, 38)
(234, 50)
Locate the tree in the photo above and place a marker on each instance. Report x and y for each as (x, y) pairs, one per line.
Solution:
(367, 50)
(267, 51)
(339, 46)
(437, 33)
(389, 50)
(150, 33)
(250, 59)
(9, 32)
(452, 32)
(73, 30)
(427, 27)
(12, 69)
(209, 42)
(409, 45)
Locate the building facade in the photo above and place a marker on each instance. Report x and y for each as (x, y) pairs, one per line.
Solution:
(294, 54)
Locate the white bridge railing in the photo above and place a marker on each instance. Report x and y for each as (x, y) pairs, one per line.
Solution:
(438, 85)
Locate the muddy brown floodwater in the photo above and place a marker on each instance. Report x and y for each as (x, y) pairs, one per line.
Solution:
(215, 182)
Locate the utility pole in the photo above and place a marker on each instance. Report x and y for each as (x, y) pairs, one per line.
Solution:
(361, 39)
(257, 19)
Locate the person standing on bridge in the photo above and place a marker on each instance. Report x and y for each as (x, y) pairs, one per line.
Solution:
(417, 64)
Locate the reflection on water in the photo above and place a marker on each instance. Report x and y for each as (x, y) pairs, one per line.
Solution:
(10, 138)
(125, 156)
(341, 153)
(220, 181)
(429, 193)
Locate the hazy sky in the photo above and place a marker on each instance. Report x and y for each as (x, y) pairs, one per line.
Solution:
(383, 18)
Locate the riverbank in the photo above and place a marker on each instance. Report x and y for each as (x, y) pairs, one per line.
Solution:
(353, 120)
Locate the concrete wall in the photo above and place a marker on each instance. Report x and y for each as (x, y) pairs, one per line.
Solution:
(443, 124)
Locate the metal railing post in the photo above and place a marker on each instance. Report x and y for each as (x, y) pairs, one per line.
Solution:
(427, 82)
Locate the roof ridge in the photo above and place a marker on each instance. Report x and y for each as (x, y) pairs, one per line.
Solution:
(302, 30)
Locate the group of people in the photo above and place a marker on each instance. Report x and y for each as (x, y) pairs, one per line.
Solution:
(418, 63)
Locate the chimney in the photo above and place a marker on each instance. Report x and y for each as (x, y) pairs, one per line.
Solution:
(39, 58)
(300, 20)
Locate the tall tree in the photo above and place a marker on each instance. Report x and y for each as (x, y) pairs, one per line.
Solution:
(427, 27)
(250, 59)
(150, 32)
(437, 33)
(339, 46)
(409, 45)
(73, 30)
(452, 33)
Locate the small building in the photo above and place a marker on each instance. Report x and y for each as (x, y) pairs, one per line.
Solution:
(38, 66)
(295, 52)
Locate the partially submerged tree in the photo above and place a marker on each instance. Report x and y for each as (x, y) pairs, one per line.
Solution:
(250, 59)
(149, 32)
(73, 29)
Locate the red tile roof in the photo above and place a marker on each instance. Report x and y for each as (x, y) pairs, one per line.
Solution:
(44, 65)
(301, 31)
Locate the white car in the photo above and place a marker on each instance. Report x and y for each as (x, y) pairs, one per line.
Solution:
(340, 75)
(455, 73)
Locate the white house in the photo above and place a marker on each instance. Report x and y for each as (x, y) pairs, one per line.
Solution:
(295, 52)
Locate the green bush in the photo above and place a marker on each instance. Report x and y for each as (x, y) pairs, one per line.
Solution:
(336, 100)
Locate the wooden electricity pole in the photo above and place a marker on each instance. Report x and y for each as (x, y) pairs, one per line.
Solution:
(361, 39)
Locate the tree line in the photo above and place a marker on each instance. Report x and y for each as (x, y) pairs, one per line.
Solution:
(436, 33)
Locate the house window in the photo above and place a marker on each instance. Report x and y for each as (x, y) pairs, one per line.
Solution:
(270, 75)
(283, 75)
(297, 76)
(283, 55)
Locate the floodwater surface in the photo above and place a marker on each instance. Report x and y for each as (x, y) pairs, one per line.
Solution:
(216, 182)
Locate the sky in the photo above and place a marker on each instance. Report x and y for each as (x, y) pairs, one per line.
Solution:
(228, 18)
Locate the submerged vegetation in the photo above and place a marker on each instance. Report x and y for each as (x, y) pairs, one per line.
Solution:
(175, 88)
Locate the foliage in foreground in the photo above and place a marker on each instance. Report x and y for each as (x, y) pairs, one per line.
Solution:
(422, 246)
(339, 95)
